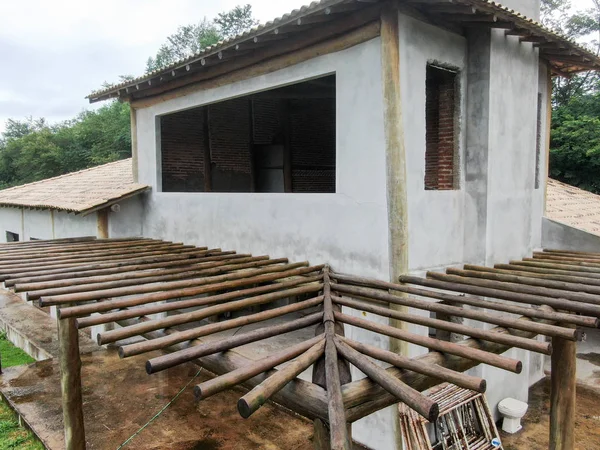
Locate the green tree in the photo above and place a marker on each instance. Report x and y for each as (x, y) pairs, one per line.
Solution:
(191, 39)
(187, 41)
(236, 21)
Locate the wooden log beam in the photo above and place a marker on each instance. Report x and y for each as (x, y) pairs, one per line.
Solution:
(282, 290)
(529, 281)
(163, 362)
(74, 275)
(403, 392)
(258, 396)
(338, 428)
(544, 313)
(363, 397)
(70, 382)
(195, 286)
(187, 335)
(244, 373)
(591, 310)
(507, 269)
(509, 364)
(97, 255)
(154, 277)
(506, 339)
(578, 297)
(307, 399)
(195, 316)
(41, 269)
(83, 247)
(562, 265)
(84, 310)
(432, 370)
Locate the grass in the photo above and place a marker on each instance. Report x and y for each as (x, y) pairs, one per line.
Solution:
(13, 436)
(11, 355)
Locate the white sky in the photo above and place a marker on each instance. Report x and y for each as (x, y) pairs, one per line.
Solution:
(53, 53)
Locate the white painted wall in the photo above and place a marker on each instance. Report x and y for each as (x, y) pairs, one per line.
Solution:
(127, 222)
(435, 218)
(11, 219)
(71, 225)
(348, 228)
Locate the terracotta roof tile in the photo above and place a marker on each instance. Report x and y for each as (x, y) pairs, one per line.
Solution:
(78, 192)
(573, 206)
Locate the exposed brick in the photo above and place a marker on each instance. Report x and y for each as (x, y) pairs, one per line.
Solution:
(440, 140)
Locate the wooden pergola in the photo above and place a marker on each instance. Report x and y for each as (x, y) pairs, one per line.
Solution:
(125, 281)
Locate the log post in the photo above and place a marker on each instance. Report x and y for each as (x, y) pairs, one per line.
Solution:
(134, 143)
(563, 395)
(102, 223)
(396, 167)
(331, 327)
(70, 381)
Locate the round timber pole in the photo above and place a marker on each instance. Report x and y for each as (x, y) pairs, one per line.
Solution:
(396, 168)
(563, 395)
(70, 382)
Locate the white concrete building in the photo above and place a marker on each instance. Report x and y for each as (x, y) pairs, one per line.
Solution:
(102, 202)
(380, 138)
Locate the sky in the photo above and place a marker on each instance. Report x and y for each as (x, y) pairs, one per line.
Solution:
(55, 52)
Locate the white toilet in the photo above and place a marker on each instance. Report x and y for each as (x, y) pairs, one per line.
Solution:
(512, 410)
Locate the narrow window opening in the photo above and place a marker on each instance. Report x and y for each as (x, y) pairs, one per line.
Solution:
(281, 140)
(440, 135)
(12, 237)
(538, 141)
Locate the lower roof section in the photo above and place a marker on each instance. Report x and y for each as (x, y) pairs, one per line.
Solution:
(78, 192)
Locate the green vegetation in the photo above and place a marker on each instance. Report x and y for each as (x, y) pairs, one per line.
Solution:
(575, 134)
(13, 436)
(11, 355)
(32, 149)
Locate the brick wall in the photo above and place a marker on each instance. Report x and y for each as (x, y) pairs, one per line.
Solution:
(182, 151)
(440, 138)
(312, 144)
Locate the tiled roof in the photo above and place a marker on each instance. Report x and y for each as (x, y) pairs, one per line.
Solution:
(79, 192)
(566, 55)
(573, 206)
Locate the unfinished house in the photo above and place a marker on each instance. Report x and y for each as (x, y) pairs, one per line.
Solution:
(402, 147)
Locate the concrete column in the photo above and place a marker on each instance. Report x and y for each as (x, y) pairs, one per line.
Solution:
(477, 119)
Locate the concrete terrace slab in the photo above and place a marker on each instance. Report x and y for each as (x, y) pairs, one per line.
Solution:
(32, 329)
(120, 398)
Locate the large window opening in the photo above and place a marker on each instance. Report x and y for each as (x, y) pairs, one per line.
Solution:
(440, 116)
(281, 140)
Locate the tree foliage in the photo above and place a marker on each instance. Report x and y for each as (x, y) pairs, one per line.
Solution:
(32, 149)
(575, 133)
(191, 39)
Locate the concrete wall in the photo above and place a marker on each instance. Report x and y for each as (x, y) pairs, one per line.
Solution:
(348, 228)
(435, 218)
(11, 219)
(557, 235)
(44, 224)
(127, 222)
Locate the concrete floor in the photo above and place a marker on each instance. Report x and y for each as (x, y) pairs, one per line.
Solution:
(120, 398)
(588, 359)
